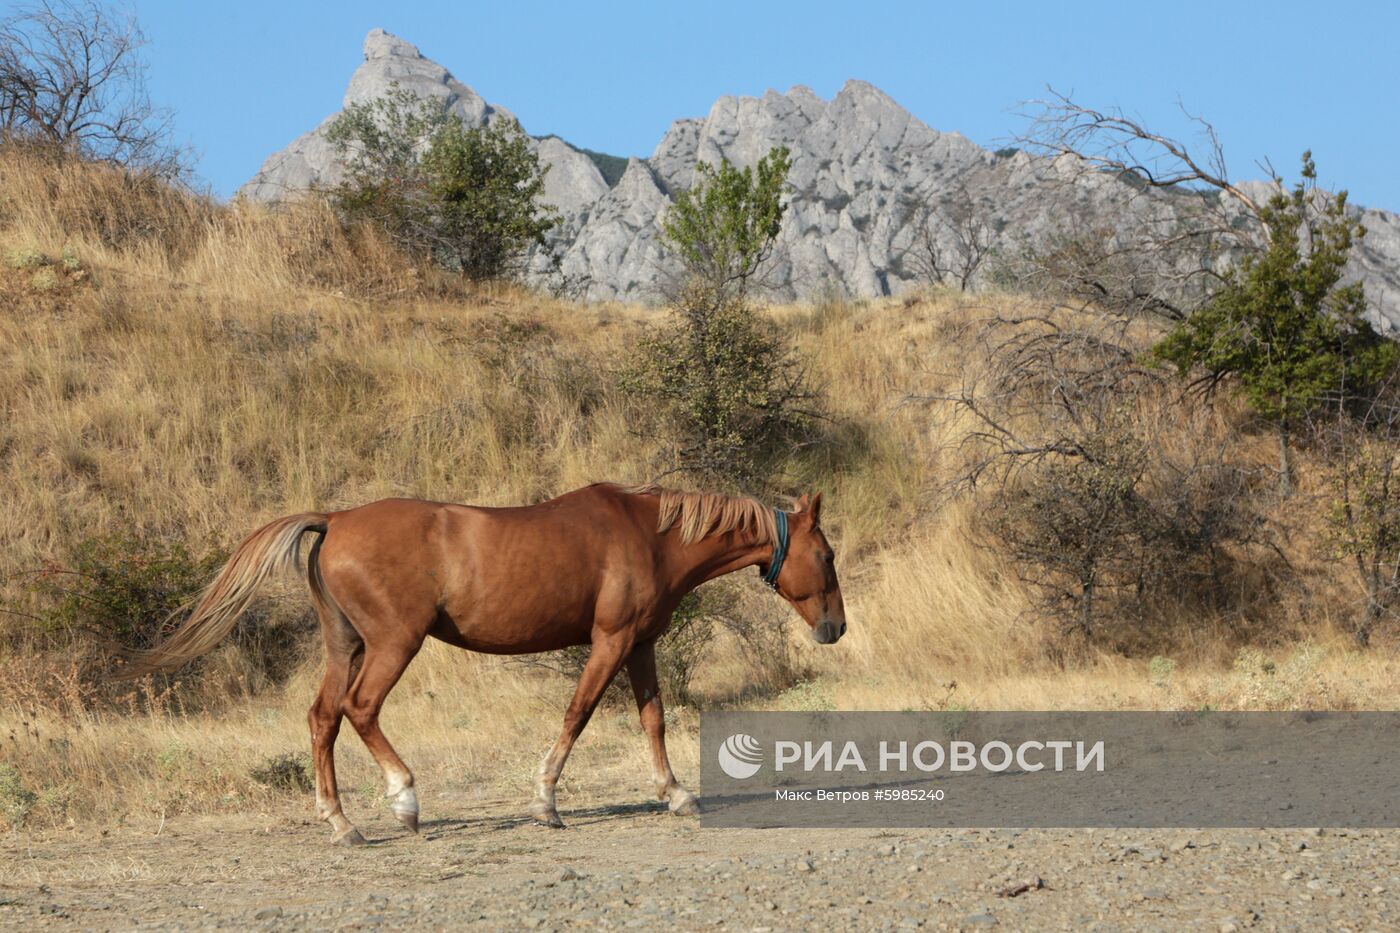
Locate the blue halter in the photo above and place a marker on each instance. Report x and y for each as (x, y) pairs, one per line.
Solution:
(775, 566)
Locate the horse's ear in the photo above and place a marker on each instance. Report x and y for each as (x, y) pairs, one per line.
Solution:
(816, 508)
(801, 503)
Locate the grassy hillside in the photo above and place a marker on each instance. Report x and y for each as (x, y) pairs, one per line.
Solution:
(177, 370)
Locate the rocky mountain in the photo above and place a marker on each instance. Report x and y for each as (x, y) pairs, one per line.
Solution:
(862, 166)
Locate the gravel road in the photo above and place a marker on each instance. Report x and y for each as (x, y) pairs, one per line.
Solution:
(636, 866)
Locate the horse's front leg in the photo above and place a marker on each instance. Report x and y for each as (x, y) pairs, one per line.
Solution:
(604, 660)
(641, 669)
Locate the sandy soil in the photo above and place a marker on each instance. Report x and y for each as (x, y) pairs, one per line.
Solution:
(622, 863)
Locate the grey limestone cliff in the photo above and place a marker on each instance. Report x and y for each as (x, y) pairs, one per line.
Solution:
(861, 165)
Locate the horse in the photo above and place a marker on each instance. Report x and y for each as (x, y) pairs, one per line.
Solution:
(604, 565)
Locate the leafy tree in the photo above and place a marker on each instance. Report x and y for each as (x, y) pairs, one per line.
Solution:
(483, 185)
(723, 228)
(1283, 323)
(381, 143)
(730, 390)
(467, 197)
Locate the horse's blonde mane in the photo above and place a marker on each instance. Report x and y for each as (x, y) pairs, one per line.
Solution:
(701, 514)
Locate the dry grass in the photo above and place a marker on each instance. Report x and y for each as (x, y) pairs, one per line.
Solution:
(198, 370)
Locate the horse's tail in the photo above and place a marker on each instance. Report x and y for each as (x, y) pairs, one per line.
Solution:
(272, 548)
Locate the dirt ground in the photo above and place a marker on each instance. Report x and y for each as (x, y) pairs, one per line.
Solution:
(626, 863)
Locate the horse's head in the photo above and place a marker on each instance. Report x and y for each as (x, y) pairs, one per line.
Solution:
(807, 576)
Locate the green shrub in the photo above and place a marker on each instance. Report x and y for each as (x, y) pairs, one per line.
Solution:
(174, 759)
(728, 397)
(113, 594)
(466, 197)
(1116, 537)
(290, 771)
(121, 588)
(1160, 670)
(25, 257)
(807, 697)
(43, 280)
(16, 800)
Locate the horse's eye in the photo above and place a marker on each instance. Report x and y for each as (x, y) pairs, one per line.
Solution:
(830, 557)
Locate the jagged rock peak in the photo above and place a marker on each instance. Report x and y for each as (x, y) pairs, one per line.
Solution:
(863, 170)
(381, 44)
(573, 181)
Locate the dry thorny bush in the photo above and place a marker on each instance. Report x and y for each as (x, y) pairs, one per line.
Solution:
(1124, 507)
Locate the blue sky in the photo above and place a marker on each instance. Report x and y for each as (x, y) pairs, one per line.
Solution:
(1275, 78)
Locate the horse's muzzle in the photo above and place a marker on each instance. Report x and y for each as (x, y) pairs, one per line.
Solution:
(827, 632)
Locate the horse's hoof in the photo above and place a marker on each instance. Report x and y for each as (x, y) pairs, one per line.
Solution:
(546, 816)
(408, 818)
(351, 837)
(684, 803)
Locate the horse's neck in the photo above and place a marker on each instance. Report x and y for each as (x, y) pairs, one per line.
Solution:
(715, 556)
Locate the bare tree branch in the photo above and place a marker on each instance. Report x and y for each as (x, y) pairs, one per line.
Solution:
(1184, 220)
(952, 240)
(1111, 141)
(72, 77)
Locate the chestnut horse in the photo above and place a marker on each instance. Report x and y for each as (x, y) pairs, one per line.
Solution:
(605, 565)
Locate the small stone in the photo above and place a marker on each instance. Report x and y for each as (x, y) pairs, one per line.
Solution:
(1229, 926)
(568, 874)
(914, 869)
(268, 913)
(980, 920)
(885, 850)
(1378, 889)
(804, 865)
(769, 905)
(1181, 845)
(1299, 846)
(1289, 875)
(1152, 855)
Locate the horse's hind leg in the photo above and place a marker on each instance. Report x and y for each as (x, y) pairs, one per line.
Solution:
(641, 670)
(344, 651)
(384, 664)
